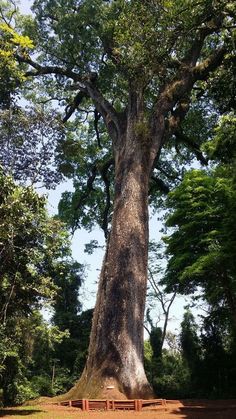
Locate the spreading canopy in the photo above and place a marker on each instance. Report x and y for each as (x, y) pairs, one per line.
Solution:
(102, 59)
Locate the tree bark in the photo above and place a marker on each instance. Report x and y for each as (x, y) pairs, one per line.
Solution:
(115, 356)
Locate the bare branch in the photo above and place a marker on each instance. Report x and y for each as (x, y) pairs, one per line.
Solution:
(146, 328)
(155, 287)
(103, 170)
(167, 312)
(165, 304)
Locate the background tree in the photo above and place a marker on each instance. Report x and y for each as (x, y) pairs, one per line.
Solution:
(30, 133)
(34, 251)
(29, 141)
(27, 365)
(170, 374)
(66, 314)
(29, 243)
(190, 345)
(157, 298)
(84, 326)
(200, 248)
(11, 76)
(202, 244)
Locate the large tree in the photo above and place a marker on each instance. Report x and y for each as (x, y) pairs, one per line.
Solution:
(136, 65)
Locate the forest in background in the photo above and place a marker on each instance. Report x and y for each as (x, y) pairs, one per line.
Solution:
(196, 256)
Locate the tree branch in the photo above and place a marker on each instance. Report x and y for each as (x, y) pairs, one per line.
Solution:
(202, 70)
(167, 312)
(189, 72)
(104, 171)
(48, 69)
(165, 304)
(177, 116)
(105, 108)
(86, 84)
(11, 14)
(182, 138)
(165, 173)
(181, 87)
(161, 185)
(70, 109)
(89, 186)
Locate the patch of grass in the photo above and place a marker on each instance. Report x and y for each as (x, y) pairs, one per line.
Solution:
(36, 412)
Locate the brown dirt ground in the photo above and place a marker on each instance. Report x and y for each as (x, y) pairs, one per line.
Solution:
(176, 409)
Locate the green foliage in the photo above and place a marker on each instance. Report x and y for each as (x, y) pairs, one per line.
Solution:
(36, 267)
(222, 148)
(173, 379)
(201, 247)
(33, 246)
(190, 346)
(29, 139)
(26, 247)
(67, 315)
(170, 375)
(222, 87)
(11, 42)
(123, 44)
(201, 364)
(26, 356)
(67, 305)
(200, 250)
(156, 342)
(202, 241)
(83, 333)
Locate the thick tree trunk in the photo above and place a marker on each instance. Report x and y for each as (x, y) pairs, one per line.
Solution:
(115, 356)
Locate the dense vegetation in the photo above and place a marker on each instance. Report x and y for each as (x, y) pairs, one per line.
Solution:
(48, 133)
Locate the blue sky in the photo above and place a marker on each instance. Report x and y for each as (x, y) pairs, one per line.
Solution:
(25, 5)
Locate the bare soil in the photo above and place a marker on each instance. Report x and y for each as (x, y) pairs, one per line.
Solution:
(176, 409)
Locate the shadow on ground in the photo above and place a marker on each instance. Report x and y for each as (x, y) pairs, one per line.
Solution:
(219, 409)
(18, 412)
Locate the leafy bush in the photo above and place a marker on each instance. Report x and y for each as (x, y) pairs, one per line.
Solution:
(42, 385)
